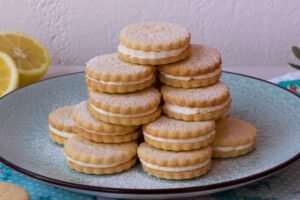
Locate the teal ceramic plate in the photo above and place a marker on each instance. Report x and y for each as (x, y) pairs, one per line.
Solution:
(26, 147)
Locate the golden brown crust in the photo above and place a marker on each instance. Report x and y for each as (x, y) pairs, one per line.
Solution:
(157, 61)
(154, 36)
(10, 191)
(190, 83)
(234, 132)
(198, 117)
(171, 158)
(83, 118)
(203, 60)
(110, 68)
(235, 153)
(166, 127)
(57, 139)
(61, 118)
(178, 175)
(98, 171)
(83, 150)
(130, 103)
(126, 121)
(97, 137)
(179, 146)
(99, 87)
(196, 97)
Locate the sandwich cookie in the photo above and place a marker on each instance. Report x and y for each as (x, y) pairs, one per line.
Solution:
(9, 191)
(175, 165)
(97, 158)
(135, 108)
(61, 124)
(197, 104)
(97, 131)
(107, 73)
(174, 135)
(154, 43)
(200, 69)
(234, 137)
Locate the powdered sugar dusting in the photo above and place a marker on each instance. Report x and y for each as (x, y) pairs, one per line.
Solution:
(152, 33)
(197, 94)
(101, 150)
(173, 155)
(202, 58)
(136, 99)
(64, 115)
(169, 124)
(111, 64)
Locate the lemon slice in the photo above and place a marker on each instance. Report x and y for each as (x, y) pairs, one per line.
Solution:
(30, 56)
(8, 74)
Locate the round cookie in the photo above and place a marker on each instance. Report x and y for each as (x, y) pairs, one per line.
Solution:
(107, 73)
(61, 124)
(197, 104)
(175, 135)
(234, 137)
(200, 69)
(135, 108)
(154, 43)
(98, 158)
(97, 131)
(175, 165)
(9, 191)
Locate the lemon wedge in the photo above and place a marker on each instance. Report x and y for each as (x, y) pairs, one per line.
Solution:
(30, 56)
(8, 74)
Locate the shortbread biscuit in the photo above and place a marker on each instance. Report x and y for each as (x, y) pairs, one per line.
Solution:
(175, 135)
(10, 191)
(107, 73)
(200, 69)
(234, 137)
(175, 165)
(97, 131)
(154, 43)
(98, 158)
(61, 124)
(134, 108)
(197, 104)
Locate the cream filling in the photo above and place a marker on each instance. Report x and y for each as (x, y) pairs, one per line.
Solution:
(192, 111)
(233, 148)
(92, 165)
(60, 133)
(120, 83)
(180, 141)
(150, 54)
(176, 169)
(102, 133)
(109, 114)
(189, 78)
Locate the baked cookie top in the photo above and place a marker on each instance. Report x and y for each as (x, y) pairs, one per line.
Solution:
(61, 118)
(203, 60)
(166, 127)
(110, 68)
(84, 119)
(9, 191)
(196, 97)
(172, 158)
(233, 132)
(154, 36)
(130, 103)
(86, 151)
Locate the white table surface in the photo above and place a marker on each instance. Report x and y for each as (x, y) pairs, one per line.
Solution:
(259, 72)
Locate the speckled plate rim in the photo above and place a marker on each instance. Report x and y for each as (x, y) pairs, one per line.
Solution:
(86, 188)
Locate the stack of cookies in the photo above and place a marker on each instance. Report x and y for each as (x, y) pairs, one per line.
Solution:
(100, 134)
